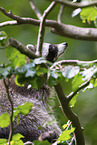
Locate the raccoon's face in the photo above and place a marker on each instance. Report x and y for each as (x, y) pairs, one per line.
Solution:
(52, 51)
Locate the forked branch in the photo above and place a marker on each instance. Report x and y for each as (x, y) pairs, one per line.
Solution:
(69, 31)
(70, 114)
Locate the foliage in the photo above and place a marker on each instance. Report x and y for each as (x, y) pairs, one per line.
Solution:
(83, 77)
(88, 14)
(33, 72)
(3, 38)
(36, 142)
(18, 59)
(65, 135)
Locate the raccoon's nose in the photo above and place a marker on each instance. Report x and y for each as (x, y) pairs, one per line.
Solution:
(65, 43)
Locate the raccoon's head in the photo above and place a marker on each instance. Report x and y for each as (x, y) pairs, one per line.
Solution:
(50, 51)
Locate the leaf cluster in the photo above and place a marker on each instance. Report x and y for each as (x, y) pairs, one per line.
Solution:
(88, 14)
(5, 121)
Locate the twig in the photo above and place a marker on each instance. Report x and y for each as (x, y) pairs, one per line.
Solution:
(20, 20)
(28, 143)
(71, 143)
(72, 62)
(36, 10)
(72, 94)
(42, 28)
(60, 13)
(19, 46)
(70, 114)
(7, 23)
(11, 115)
(75, 5)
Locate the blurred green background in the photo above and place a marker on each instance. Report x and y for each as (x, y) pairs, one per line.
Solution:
(86, 106)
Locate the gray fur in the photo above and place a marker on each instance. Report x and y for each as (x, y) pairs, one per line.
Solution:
(38, 116)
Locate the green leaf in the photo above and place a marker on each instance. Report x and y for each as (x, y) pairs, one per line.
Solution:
(30, 72)
(25, 108)
(77, 81)
(17, 136)
(37, 82)
(16, 139)
(95, 83)
(52, 81)
(70, 71)
(65, 135)
(89, 73)
(26, 70)
(88, 14)
(5, 72)
(95, 22)
(3, 35)
(17, 142)
(53, 76)
(16, 113)
(41, 70)
(36, 142)
(3, 142)
(73, 100)
(3, 38)
(66, 125)
(16, 58)
(4, 120)
(19, 80)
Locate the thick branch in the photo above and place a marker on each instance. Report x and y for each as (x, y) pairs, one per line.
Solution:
(70, 115)
(75, 5)
(75, 32)
(19, 46)
(69, 31)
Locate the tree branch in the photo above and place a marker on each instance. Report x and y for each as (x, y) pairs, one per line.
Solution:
(20, 20)
(71, 62)
(35, 9)
(72, 94)
(70, 114)
(60, 13)
(8, 23)
(74, 32)
(11, 115)
(70, 31)
(75, 5)
(19, 46)
(42, 28)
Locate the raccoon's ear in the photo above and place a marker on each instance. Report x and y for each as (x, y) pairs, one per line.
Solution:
(61, 48)
(30, 47)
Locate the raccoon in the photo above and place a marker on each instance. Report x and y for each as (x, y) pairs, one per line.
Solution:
(39, 116)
